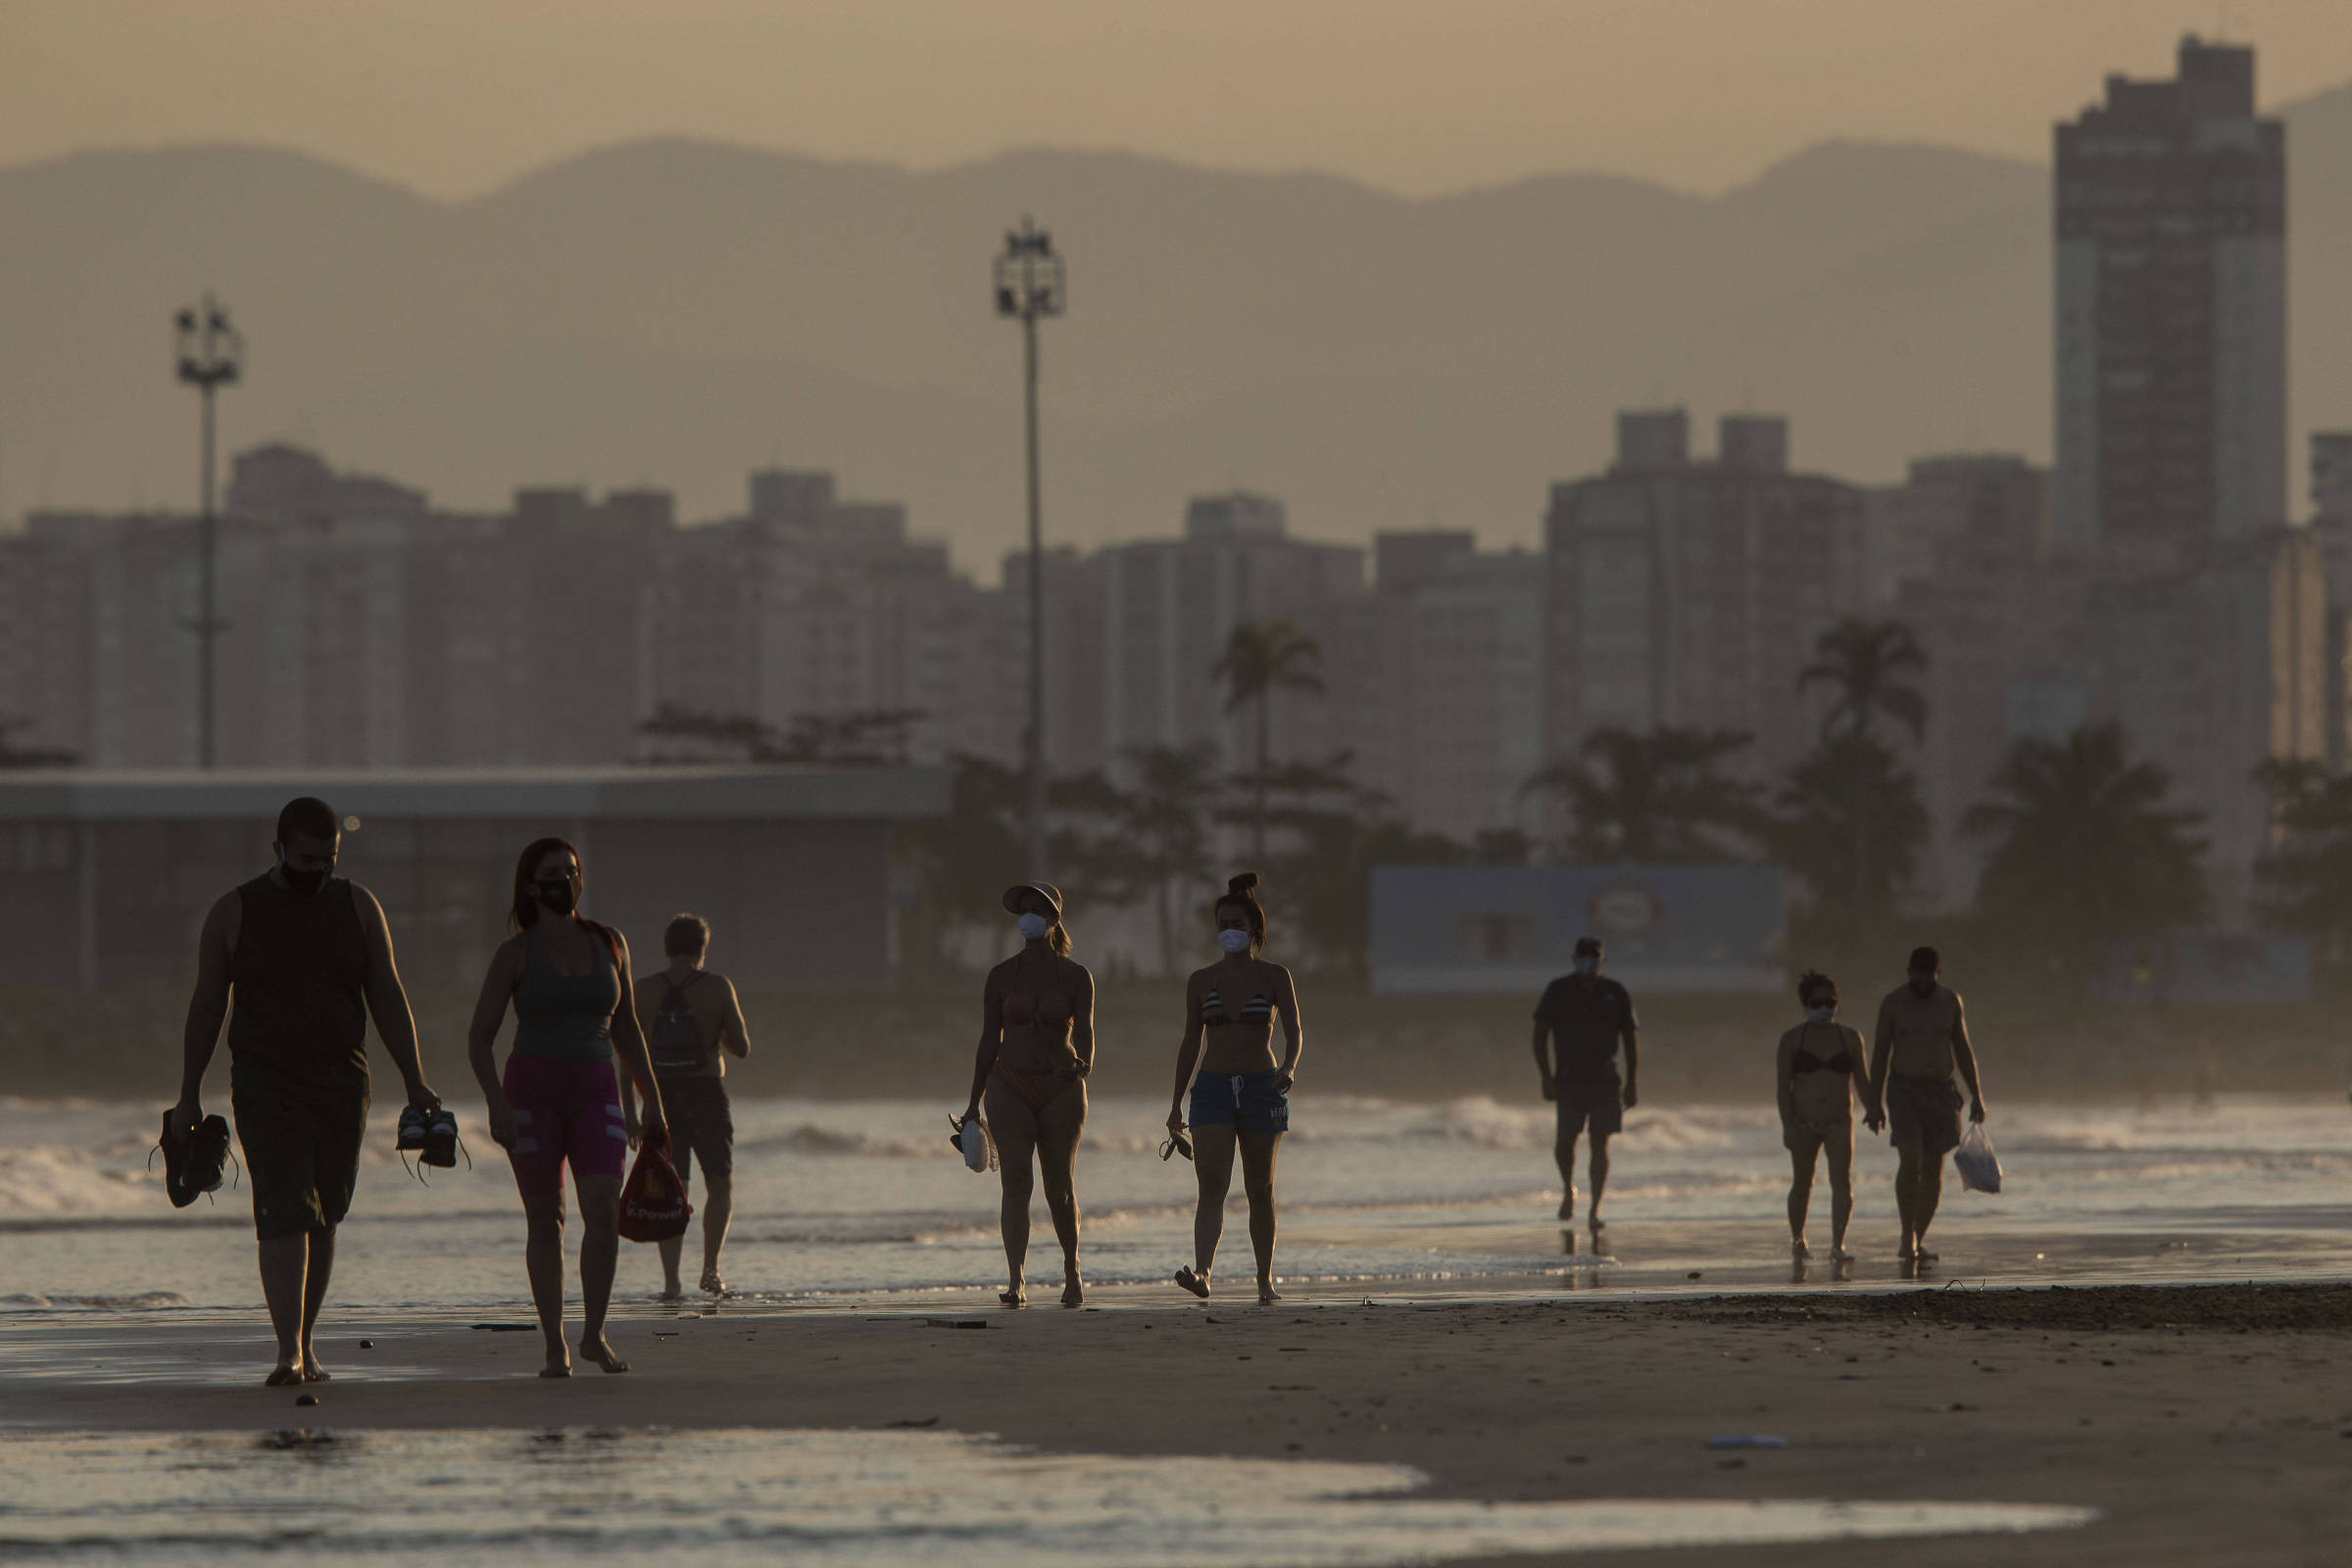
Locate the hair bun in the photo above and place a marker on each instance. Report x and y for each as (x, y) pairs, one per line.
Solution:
(1243, 883)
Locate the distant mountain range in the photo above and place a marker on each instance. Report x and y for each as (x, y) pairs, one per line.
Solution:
(678, 313)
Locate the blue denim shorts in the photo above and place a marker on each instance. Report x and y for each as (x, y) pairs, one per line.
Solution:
(1248, 1100)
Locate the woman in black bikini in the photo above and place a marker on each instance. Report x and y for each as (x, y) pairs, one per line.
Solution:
(1037, 1044)
(1241, 1100)
(1822, 1063)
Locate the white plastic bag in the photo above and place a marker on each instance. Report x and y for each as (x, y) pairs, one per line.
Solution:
(978, 1146)
(1979, 1166)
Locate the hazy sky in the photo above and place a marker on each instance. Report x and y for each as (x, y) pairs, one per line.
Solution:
(455, 96)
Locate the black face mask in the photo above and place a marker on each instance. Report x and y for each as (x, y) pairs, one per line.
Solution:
(561, 897)
(304, 881)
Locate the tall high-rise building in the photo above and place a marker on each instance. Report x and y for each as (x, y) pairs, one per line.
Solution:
(1169, 607)
(2171, 213)
(1973, 511)
(1689, 592)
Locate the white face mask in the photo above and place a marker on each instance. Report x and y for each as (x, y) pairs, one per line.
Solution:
(1233, 941)
(1822, 1012)
(1033, 926)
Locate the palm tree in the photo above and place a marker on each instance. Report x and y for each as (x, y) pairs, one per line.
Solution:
(1864, 662)
(2086, 848)
(1260, 658)
(1851, 824)
(1659, 797)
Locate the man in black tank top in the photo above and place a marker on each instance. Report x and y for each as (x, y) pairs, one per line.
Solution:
(307, 958)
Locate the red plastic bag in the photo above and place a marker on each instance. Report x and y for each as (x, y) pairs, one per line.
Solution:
(653, 1201)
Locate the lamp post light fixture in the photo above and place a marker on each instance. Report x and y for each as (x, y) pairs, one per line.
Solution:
(1030, 287)
(211, 353)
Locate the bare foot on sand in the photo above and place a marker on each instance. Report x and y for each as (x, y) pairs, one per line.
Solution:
(600, 1351)
(1073, 1290)
(1267, 1295)
(1198, 1284)
(282, 1376)
(672, 1295)
(1014, 1297)
(712, 1283)
(1568, 1206)
(311, 1371)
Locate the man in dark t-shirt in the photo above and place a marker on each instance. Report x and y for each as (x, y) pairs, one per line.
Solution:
(1585, 1017)
(307, 958)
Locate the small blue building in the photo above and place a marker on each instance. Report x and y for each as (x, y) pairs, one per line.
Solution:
(1460, 929)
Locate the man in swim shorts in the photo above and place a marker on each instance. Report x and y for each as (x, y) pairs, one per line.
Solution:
(1586, 1015)
(307, 957)
(1922, 1038)
(693, 1023)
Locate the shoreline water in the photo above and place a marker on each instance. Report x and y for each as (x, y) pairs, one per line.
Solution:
(845, 1202)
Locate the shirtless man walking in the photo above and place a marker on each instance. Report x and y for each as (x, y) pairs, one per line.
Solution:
(1922, 1037)
(693, 1023)
(307, 957)
(1585, 1016)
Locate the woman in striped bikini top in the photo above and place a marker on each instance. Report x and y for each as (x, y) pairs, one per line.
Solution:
(1239, 1104)
(1257, 1010)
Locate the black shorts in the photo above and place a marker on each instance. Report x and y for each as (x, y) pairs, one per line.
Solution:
(1598, 1104)
(701, 1126)
(302, 1149)
(1248, 1100)
(1924, 1112)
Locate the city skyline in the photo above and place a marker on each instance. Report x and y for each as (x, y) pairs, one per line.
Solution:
(739, 308)
(1675, 589)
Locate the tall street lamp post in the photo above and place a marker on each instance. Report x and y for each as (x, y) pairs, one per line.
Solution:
(1030, 287)
(210, 352)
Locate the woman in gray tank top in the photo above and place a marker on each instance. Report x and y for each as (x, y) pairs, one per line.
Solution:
(558, 1100)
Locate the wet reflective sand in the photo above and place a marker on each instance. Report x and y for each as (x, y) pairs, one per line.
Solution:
(860, 1497)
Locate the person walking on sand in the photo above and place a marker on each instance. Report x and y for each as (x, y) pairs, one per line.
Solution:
(558, 1100)
(1815, 1072)
(306, 956)
(1585, 1016)
(1037, 1046)
(1922, 1037)
(692, 1023)
(1241, 1101)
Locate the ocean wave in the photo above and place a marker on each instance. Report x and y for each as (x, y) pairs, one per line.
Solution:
(144, 1299)
(48, 1179)
(1483, 1122)
(811, 1139)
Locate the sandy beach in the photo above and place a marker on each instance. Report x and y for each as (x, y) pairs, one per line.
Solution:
(2207, 1424)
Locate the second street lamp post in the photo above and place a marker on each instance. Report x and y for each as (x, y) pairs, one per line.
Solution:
(1029, 288)
(210, 352)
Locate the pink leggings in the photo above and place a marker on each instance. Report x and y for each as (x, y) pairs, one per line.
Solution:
(563, 1111)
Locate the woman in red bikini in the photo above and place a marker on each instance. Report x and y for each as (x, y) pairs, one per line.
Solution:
(1037, 1044)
